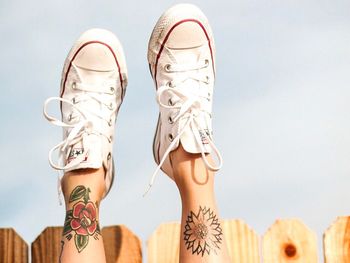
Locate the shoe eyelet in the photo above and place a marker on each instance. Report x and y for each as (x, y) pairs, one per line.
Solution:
(209, 96)
(70, 117)
(170, 120)
(170, 102)
(206, 62)
(170, 137)
(110, 106)
(170, 84)
(112, 89)
(207, 79)
(167, 67)
(110, 122)
(74, 101)
(110, 138)
(74, 85)
(109, 156)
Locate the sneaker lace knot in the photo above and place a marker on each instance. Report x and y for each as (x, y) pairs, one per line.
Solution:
(79, 123)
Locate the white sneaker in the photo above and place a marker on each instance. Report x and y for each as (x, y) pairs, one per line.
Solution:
(93, 85)
(181, 55)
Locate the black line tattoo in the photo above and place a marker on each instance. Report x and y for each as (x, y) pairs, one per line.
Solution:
(203, 233)
(60, 258)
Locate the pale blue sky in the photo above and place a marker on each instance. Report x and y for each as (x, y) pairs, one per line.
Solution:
(281, 111)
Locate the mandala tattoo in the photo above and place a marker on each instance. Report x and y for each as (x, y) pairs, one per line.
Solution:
(203, 233)
(81, 221)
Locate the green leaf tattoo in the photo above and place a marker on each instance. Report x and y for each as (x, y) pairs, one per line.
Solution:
(81, 242)
(86, 195)
(77, 193)
(81, 220)
(67, 228)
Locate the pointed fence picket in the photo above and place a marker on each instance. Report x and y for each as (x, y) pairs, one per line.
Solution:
(289, 241)
(242, 241)
(164, 244)
(12, 247)
(286, 241)
(337, 241)
(121, 245)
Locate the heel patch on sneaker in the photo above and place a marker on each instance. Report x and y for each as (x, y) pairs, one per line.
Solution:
(74, 153)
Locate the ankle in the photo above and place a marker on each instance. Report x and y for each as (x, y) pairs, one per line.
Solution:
(90, 179)
(189, 168)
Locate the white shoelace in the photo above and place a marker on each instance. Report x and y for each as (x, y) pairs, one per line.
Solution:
(190, 107)
(79, 129)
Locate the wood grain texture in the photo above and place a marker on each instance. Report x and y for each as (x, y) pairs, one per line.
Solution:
(47, 246)
(121, 245)
(337, 241)
(13, 249)
(289, 241)
(164, 244)
(242, 242)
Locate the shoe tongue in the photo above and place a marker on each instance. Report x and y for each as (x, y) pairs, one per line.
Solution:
(91, 158)
(186, 55)
(94, 78)
(187, 58)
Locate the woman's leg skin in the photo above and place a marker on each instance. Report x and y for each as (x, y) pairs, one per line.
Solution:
(82, 240)
(202, 238)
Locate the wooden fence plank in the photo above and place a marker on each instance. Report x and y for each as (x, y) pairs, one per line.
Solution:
(13, 249)
(289, 241)
(242, 242)
(164, 244)
(121, 245)
(337, 241)
(47, 246)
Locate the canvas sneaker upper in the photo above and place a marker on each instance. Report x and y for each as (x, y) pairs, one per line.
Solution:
(93, 84)
(181, 56)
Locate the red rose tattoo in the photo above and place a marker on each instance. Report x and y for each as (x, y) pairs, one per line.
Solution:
(81, 220)
(84, 219)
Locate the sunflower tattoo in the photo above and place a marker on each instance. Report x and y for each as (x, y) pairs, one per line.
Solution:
(203, 233)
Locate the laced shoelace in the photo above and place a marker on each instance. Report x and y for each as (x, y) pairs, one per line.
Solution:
(81, 128)
(189, 106)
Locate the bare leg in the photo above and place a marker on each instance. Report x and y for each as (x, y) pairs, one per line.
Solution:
(82, 239)
(202, 239)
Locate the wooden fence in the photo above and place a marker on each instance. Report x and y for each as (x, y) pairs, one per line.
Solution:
(286, 241)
